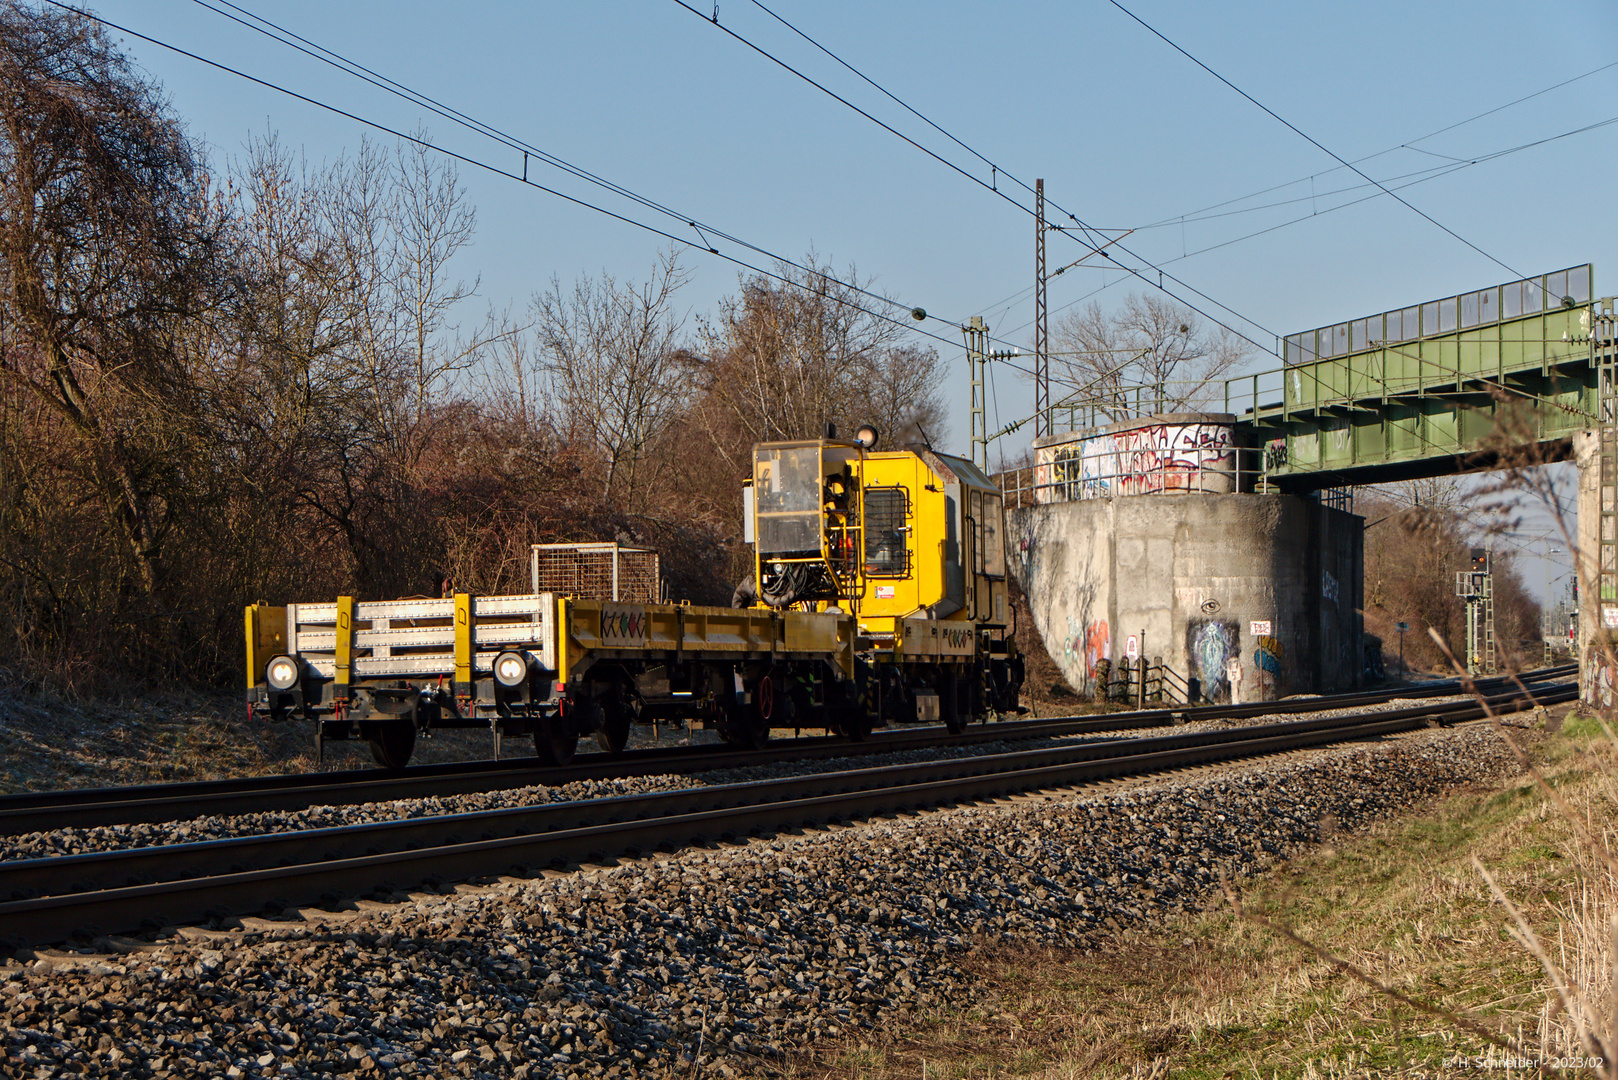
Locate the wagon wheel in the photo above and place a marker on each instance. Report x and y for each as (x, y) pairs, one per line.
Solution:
(393, 742)
(617, 716)
(753, 735)
(857, 726)
(752, 730)
(853, 715)
(555, 741)
(740, 725)
(556, 738)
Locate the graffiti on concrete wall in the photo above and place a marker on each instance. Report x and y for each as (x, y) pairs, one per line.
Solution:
(1267, 656)
(1152, 458)
(1097, 646)
(1600, 677)
(1088, 648)
(1210, 646)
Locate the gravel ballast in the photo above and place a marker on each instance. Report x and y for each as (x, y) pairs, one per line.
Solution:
(733, 955)
(78, 841)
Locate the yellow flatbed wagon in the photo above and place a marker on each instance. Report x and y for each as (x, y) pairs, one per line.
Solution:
(549, 666)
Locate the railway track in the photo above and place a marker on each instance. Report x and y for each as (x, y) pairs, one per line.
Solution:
(89, 808)
(125, 890)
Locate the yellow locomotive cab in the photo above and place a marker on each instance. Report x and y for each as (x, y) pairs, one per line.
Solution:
(887, 535)
(912, 544)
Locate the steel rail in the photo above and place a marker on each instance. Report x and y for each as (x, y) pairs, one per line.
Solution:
(288, 870)
(93, 807)
(22, 878)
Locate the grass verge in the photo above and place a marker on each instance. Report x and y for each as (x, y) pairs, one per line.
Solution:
(1213, 994)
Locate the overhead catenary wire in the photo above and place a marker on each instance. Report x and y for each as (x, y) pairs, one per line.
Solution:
(327, 56)
(1015, 298)
(1414, 177)
(397, 89)
(523, 179)
(1091, 234)
(291, 39)
(1408, 144)
(1472, 517)
(1420, 176)
(1317, 144)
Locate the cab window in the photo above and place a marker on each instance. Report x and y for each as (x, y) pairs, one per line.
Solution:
(994, 548)
(887, 533)
(786, 492)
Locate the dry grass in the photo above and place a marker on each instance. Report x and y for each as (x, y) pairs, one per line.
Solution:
(1215, 994)
(50, 741)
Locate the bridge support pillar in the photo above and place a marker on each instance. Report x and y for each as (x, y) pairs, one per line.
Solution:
(1598, 679)
(1253, 596)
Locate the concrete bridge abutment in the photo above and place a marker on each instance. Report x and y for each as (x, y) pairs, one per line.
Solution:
(1598, 615)
(1257, 596)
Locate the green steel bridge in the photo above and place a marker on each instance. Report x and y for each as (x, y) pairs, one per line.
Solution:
(1441, 387)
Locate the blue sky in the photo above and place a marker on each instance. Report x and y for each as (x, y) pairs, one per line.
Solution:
(1126, 132)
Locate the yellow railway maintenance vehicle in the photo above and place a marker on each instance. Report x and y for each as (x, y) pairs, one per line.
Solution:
(883, 599)
(911, 543)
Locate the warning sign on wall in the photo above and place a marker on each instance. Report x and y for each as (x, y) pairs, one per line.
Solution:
(1132, 646)
(1259, 628)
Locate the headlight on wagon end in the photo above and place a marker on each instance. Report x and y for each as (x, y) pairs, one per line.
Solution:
(511, 669)
(281, 673)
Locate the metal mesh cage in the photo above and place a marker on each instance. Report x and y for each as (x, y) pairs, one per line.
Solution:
(601, 571)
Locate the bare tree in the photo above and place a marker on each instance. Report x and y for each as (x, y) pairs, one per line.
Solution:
(512, 383)
(899, 393)
(1447, 494)
(786, 357)
(107, 242)
(793, 353)
(1151, 343)
(432, 222)
(611, 351)
(351, 341)
(1419, 535)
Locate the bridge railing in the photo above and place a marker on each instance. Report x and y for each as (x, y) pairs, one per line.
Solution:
(1342, 382)
(1080, 478)
(1249, 397)
(1092, 407)
(1372, 360)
